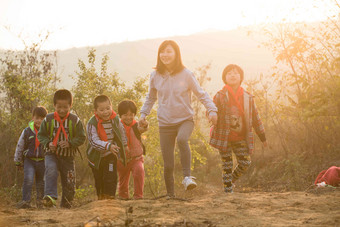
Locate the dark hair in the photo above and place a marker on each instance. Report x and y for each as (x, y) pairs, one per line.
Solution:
(125, 106)
(230, 68)
(99, 99)
(63, 94)
(178, 66)
(39, 111)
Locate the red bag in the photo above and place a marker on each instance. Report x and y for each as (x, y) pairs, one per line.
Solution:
(330, 176)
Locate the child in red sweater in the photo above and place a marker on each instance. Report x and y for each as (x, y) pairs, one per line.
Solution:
(134, 157)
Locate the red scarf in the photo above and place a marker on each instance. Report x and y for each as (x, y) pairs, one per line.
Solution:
(100, 127)
(236, 97)
(61, 127)
(37, 143)
(128, 130)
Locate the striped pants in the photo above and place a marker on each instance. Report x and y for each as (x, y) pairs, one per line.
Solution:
(240, 149)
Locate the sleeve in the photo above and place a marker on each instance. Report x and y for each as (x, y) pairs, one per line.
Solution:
(18, 155)
(150, 99)
(216, 100)
(257, 123)
(94, 139)
(79, 137)
(123, 133)
(202, 95)
(43, 136)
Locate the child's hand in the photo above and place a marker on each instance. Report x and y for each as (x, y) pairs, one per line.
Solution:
(142, 130)
(265, 145)
(114, 149)
(127, 150)
(52, 147)
(213, 119)
(143, 127)
(64, 144)
(143, 123)
(20, 167)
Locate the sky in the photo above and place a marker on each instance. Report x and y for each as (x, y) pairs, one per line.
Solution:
(79, 23)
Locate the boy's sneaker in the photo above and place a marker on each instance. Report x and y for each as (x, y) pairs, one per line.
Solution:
(24, 205)
(49, 201)
(189, 183)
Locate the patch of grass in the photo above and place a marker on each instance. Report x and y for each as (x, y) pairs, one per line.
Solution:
(10, 195)
(84, 194)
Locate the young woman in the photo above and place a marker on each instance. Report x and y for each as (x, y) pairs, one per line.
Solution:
(173, 84)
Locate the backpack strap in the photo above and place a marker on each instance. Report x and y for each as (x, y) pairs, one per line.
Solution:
(26, 137)
(223, 99)
(73, 120)
(50, 123)
(139, 137)
(70, 128)
(115, 126)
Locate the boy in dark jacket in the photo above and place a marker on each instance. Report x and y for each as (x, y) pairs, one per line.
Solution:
(61, 133)
(107, 145)
(30, 155)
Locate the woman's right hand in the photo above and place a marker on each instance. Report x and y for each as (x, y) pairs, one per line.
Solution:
(143, 123)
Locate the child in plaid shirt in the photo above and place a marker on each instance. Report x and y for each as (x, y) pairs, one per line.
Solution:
(237, 115)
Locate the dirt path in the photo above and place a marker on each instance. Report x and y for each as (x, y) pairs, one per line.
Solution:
(205, 209)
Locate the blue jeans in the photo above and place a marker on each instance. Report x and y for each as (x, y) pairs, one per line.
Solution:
(31, 169)
(66, 167)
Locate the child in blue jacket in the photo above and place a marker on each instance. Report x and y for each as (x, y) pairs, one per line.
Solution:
(29, 154)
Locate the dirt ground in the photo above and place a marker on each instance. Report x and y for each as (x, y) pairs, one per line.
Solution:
(201, 208)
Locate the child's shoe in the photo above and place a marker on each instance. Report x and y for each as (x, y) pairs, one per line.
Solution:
(49, 201)
(101, 197)
(189, 183)
(65, 204)
(229, 189)
(123, 198)
(39, 203)
(169, 196)
(105, 196)
(24, 205)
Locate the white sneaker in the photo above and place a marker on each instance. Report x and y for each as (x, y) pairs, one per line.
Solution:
(189, 183)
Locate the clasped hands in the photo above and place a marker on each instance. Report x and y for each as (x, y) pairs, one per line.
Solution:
(62, 144)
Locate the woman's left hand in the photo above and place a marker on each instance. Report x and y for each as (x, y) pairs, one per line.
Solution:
(213, 119)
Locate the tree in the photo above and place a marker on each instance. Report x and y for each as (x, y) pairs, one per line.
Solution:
(27, 79)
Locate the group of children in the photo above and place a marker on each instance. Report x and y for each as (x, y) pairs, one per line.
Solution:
(47, 147)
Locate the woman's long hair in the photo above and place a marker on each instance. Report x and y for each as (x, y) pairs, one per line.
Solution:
(178, 66)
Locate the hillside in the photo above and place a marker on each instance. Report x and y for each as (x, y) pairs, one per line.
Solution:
(132, 59)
